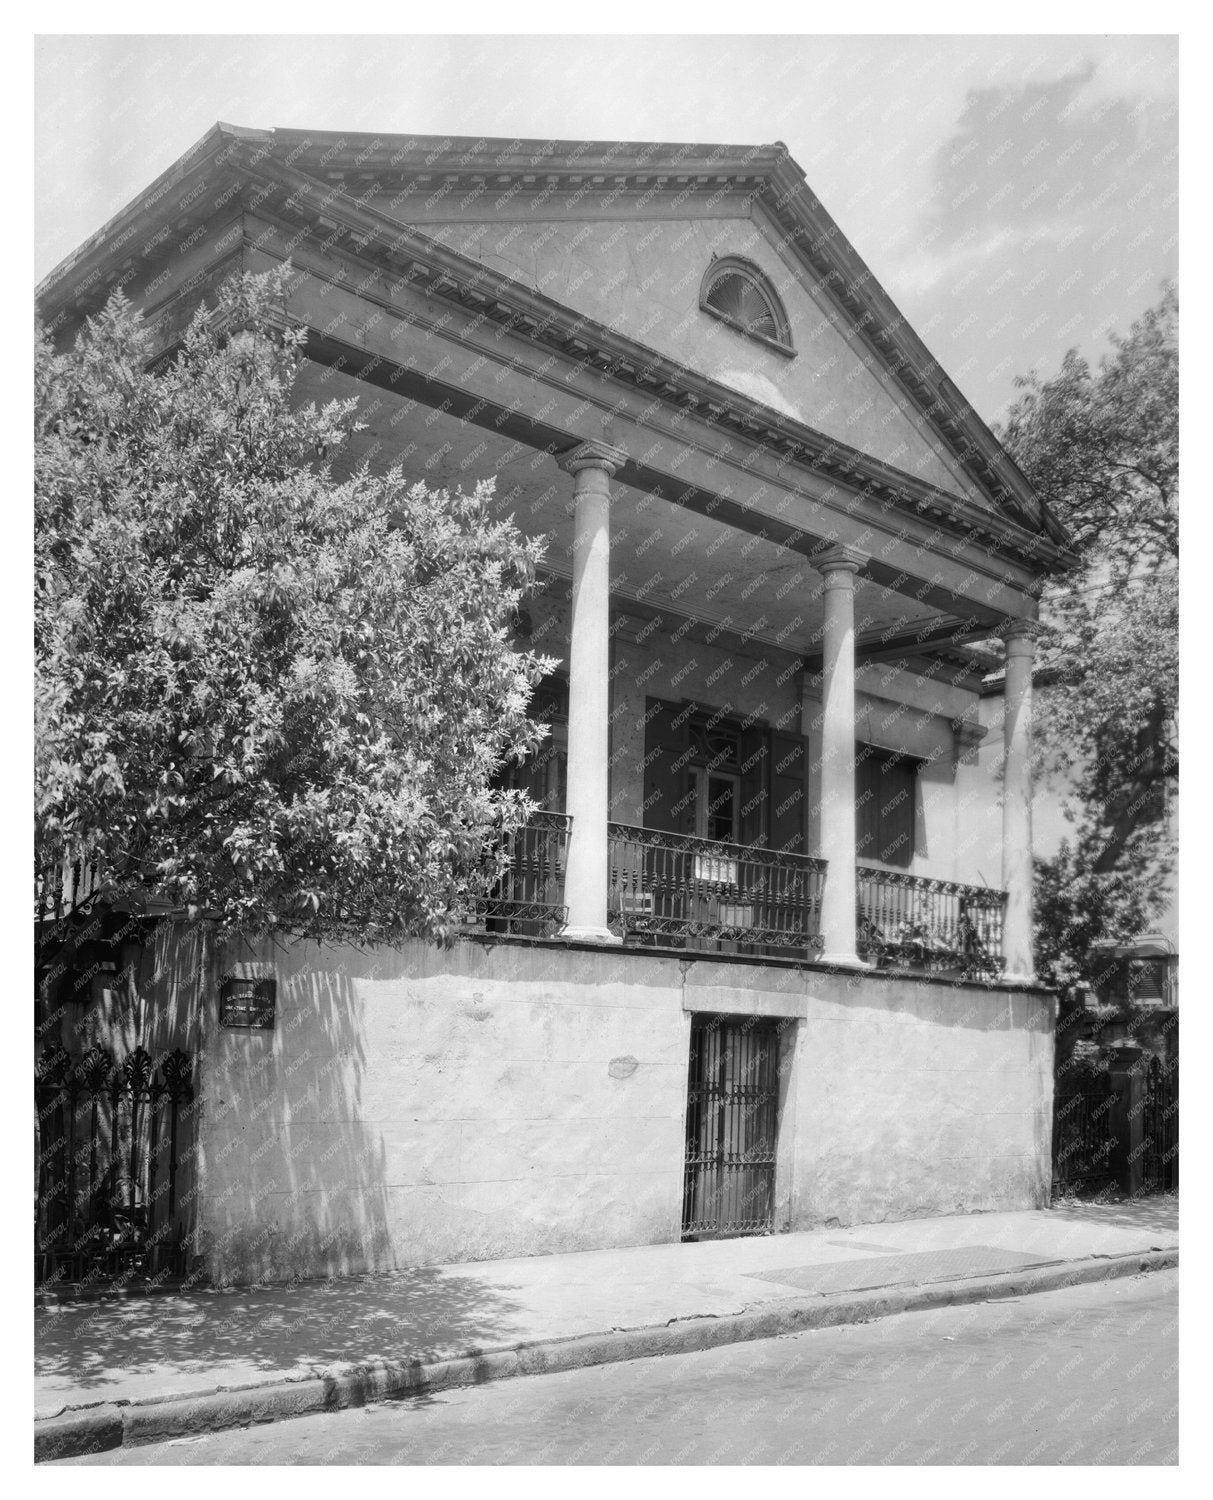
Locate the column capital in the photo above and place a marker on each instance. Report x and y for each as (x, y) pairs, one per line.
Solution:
(592, 455)
(1020, 636)
(838, 560)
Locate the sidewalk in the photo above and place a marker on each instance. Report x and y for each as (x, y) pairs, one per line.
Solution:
(150, 1366)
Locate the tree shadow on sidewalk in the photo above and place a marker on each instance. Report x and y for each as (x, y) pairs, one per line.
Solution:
(1160, 1212)
(238, 1333)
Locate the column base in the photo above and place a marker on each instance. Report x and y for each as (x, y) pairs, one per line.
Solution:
(845, 961)
(1018, 979)
(602, 935)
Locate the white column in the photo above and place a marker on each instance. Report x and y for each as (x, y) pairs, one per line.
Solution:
(1020, 637)
(585, 878)
(839, 566)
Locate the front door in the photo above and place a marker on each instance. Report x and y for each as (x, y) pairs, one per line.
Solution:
(732, 1102)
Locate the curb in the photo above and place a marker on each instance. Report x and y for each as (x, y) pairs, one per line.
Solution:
(97, 1429)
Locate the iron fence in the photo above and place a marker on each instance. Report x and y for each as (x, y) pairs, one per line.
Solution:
(1160, 1127)
(110, 1142)
(671, 888)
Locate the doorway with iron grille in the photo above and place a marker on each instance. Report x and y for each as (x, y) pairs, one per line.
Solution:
(732, 1123)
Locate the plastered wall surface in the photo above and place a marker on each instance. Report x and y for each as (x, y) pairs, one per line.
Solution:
(642, 277)
(418, 1107)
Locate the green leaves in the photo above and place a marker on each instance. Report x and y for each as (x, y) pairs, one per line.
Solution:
(270, 696)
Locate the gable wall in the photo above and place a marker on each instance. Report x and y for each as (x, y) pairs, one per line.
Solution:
(642, 279)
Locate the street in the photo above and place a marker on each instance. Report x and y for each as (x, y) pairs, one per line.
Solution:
(1088, 1375)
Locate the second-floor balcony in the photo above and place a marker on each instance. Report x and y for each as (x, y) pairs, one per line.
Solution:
(666, 887)
(669, 890)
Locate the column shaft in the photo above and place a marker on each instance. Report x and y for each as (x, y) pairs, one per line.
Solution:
(838, 757)
(1017, 803)
(585, 880)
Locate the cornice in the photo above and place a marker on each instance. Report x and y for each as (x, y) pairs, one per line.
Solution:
(841, 272)
(462, 164)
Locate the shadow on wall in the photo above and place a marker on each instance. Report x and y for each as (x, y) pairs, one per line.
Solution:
(292, 1330)
(292, 1154)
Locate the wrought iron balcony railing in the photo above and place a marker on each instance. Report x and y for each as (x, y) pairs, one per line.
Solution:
(937, 923)
(670, 888)
(529, 898)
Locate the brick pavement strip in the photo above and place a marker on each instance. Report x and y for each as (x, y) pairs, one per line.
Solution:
(94, 1429)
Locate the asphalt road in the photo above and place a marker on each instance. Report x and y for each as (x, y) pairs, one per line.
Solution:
(1083, 1376)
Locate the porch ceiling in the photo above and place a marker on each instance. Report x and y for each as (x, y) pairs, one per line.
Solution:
(664, 558)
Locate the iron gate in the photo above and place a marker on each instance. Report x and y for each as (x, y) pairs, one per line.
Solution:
(732, 1112)
(112, 1145)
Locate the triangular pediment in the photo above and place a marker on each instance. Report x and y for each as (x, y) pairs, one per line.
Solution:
(619, 234)
(641, 277)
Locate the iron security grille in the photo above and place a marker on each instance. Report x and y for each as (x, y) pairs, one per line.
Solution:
(732, 1098)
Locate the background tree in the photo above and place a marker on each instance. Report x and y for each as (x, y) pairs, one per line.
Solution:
(262, 694)
(1102, 449)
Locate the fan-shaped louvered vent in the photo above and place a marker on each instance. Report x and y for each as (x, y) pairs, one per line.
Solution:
(742, 296)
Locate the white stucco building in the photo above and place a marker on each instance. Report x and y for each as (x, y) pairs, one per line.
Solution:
(761, 964)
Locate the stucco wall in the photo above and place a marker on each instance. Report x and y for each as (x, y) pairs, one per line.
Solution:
(913, 1098)
(416, 1107)
(642, 277)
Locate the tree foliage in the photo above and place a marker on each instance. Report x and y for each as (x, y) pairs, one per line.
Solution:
(262, 694)
(1102, 449)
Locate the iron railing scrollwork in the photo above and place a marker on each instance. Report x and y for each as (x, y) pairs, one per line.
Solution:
(110, 1144)
(63, 887)
(674, 888)
(939, 924)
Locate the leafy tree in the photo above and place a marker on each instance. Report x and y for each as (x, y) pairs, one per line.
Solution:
(262, 694)
(1102, 449)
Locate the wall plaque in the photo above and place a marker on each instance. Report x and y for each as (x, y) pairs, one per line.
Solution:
(248, 1003)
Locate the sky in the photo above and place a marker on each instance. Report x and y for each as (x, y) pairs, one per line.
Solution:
(1016, 196)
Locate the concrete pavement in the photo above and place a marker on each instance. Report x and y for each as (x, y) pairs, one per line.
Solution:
(1085, 1375)
(142, 1369)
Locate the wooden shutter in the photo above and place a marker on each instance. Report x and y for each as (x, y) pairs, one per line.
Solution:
(789, 798)
(897, 778)
(666, 804)
(755, 752)
(885, 789)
